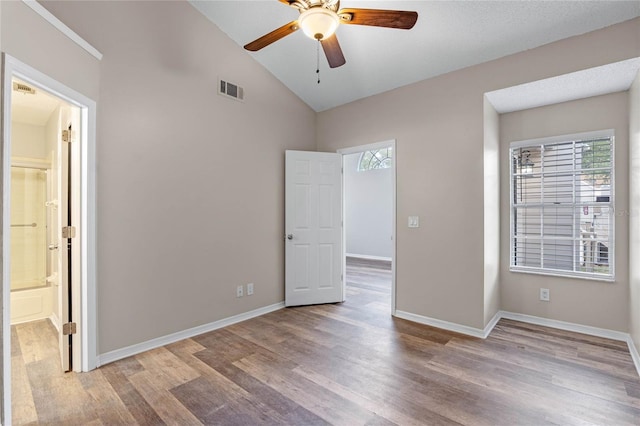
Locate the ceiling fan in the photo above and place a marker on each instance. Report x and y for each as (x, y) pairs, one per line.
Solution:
(319, 20)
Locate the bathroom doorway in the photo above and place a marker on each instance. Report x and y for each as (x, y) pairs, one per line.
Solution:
(69, 170)
(42, 211)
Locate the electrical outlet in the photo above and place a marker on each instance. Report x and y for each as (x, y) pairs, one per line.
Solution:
(249, 289)
(239, 291)
(544, 294)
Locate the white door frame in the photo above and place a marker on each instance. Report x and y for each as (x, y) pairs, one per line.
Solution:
(358, 149)
(87, 321)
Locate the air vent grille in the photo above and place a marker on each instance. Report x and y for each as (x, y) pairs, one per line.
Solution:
(23, 88)
(231, 90)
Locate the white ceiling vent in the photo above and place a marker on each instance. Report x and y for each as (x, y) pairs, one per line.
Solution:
(231, 90)
(23, 88)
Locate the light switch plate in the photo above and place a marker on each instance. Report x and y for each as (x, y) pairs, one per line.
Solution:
(414, 221)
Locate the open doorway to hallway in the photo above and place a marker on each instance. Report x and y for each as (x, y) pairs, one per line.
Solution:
(369, 225)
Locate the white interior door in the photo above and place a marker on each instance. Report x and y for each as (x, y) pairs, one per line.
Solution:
(313, 227)
(64, 269)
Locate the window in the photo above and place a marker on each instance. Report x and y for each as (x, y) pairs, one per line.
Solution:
(562, 206)
(377, 159)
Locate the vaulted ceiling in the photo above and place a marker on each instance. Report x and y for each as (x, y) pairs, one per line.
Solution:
(449, 35)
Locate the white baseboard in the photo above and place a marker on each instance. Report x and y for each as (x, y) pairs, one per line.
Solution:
(579, 328)
(446, 325)
(433, 322)
(634, 354)
(491, 324)
(112, 356)
(568, 326)
(55, 321)
(367, 257)
(562, 325)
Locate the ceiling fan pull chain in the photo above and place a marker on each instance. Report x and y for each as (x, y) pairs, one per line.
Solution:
(318, 60)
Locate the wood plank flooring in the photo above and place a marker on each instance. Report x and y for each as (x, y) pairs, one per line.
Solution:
(342, 364)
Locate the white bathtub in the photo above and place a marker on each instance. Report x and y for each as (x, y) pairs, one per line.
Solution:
(32, 304)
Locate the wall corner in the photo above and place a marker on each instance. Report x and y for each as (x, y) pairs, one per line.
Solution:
(634, 212)
(491, 231)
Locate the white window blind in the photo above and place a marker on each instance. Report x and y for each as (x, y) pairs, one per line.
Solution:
(562, 214)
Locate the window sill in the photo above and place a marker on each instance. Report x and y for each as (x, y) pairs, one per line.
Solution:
(563, 274)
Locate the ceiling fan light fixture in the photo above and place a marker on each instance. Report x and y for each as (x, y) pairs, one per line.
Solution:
(318, 23)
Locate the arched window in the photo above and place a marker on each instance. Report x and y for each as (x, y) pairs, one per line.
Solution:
(376, 159)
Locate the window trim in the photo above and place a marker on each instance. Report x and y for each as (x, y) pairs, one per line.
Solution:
(574, 137)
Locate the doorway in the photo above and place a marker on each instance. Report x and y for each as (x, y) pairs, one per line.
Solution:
(369, 177)
(49, 218)
(43, 261)
(39, 189)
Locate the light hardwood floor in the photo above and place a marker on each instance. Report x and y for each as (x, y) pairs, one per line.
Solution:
(344, 364)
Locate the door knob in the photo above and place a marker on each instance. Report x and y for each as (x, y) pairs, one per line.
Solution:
(53, 247)
(289, 236)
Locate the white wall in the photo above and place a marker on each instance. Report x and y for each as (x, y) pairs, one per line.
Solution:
(30, 141)
(51, 135)
(368, 209)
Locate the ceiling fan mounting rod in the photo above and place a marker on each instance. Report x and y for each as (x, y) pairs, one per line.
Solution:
(303, 5)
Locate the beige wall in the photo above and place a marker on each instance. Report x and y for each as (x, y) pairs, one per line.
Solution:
(634, 212)
(190, 185)
(439, 128)
(594, 303)
(29, 38)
